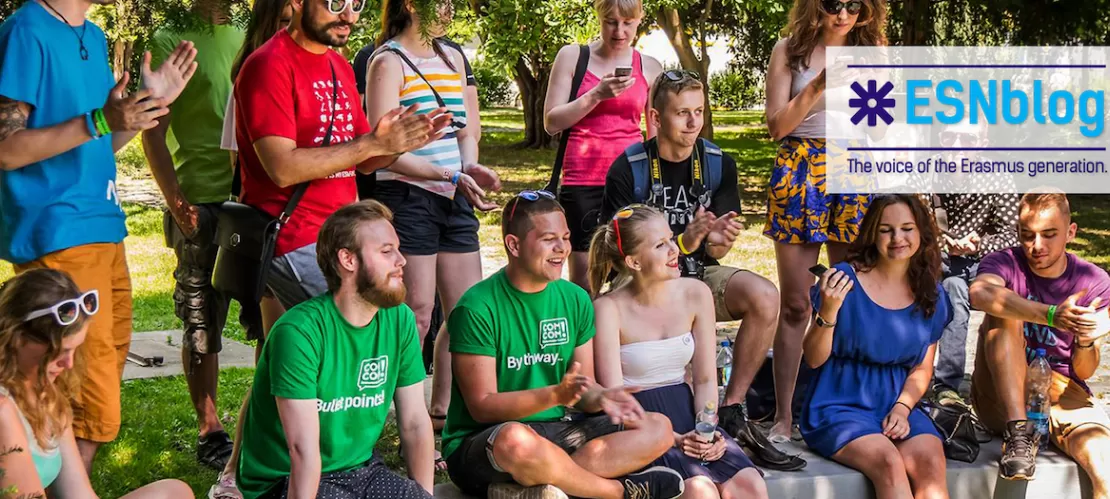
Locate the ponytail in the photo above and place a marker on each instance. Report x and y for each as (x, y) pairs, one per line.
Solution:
(603, 253)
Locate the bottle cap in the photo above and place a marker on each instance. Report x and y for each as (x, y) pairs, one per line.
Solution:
(711, 406)
(1041, 352)
(726, 343)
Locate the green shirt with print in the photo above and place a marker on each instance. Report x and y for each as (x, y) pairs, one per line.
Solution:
(532, 336)
(197, 117)
(351, 372)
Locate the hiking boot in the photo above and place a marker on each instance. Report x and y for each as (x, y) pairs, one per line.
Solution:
(214, 449)
(1019, 451)
(657, 482)
(511, 490)
(734, 420)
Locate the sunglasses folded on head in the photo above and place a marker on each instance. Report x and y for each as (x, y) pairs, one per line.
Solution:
(531, 196)
(677, 75)
(66, 312)
(833, 7)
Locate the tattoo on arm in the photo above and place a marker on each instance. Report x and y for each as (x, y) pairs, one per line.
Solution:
(13, 117)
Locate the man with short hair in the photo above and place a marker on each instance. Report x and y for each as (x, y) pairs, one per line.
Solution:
(192, 172)
(1040, 296)
(62, 118)
(329, 370)
(522, 353)
(694, 184)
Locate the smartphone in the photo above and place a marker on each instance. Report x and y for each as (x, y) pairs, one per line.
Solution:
(622, 71)
(818, 270)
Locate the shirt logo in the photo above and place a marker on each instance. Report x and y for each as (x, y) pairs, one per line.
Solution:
(554, 332)
(372, 372)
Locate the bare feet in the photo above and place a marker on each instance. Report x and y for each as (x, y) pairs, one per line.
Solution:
(780, 433)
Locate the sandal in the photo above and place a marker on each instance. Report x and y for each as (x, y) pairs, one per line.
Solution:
(214, 449)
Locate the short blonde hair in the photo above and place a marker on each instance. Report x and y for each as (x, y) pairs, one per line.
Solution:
(623, 8)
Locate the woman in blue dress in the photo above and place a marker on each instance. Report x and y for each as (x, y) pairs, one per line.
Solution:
(878, 316)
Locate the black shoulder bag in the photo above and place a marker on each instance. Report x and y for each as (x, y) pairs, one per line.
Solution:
(247, 236)
(564, 136)
(959, 429)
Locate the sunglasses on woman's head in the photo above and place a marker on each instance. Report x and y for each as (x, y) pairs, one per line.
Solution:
(66, 312)
(833, 7)
(338, 7)
(531, 196)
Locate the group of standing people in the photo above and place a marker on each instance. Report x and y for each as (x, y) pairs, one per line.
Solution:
(641, 224)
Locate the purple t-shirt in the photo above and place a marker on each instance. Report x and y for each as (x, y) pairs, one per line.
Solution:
(1012, 267)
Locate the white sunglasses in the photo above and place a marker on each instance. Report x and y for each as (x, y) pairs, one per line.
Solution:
(66, 312)
(338, 7)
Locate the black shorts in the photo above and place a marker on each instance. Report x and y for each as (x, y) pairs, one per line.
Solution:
(473, 469)
(200, 307)
(582, 204)
(428, 223)
(373, 480)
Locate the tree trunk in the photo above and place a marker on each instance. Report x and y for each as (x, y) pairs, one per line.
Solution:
(917, 22)
(122, 51)
(533, 91)
(677, 34)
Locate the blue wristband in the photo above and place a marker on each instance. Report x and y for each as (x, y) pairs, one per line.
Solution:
(455, 178)
(91, 125)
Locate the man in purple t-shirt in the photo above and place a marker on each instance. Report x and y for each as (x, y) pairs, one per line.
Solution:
(1038, 295)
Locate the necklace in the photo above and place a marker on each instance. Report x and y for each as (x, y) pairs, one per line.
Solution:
(80, 37)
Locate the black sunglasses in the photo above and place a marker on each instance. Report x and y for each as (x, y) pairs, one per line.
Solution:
(833, 7)
(677, 75)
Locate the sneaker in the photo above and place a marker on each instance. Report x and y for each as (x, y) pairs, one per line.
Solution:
(517, 491)
(214, 449)
(225, 488)
(1019, 451)
(657, 482)
(734, 420)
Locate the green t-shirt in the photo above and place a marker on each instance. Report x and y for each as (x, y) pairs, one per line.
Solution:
(197, 117)
(313, 353)
(532, 336)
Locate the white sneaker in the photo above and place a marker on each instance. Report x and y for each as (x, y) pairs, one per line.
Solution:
(225, 488)
(516, 491)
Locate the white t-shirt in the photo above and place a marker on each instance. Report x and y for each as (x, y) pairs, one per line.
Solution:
(227, 141)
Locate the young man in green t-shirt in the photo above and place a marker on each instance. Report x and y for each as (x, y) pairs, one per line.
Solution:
(330, 368)
(522, 352)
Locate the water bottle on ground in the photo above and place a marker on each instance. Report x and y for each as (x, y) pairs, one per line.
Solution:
(1038, 380)
(724, 369)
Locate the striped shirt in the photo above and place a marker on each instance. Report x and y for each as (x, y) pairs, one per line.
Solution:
(415, 90)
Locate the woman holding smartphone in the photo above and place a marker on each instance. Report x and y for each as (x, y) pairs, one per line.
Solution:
(801, 215)
(603, 118)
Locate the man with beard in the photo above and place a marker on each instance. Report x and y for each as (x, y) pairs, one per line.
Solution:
(522, 354)
(329, 370)
(62, 118)
(1038, 296)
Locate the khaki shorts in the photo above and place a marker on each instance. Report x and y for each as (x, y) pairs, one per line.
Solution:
(717, 277)
(100, 360)
(1072, 407)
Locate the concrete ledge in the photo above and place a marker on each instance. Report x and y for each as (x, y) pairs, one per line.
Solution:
(1058, 477)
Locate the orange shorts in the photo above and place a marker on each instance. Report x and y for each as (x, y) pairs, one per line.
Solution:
(96, 409)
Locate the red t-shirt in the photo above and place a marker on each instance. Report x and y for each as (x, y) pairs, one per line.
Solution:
(284, 90)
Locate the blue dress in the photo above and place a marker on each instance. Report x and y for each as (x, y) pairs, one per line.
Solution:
(873, 351)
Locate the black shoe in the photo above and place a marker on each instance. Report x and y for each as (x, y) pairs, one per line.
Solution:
(734, 420)
(214, 449)
(658, 482)
(1019, 451)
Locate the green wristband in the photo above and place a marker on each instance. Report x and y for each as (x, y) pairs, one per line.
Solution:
(1051, 315)
(101, 122)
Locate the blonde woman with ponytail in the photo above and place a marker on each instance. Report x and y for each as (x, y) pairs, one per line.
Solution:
(650, 326)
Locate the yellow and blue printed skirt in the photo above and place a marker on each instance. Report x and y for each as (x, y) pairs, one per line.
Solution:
(798, 209)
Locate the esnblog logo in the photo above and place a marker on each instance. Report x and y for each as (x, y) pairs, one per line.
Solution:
(872, 103)
(372, 372)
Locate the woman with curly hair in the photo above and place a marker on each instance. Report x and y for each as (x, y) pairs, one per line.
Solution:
(877, 319)
(43, 320)
(801, 214)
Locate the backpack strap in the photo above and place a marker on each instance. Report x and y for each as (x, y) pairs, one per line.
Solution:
(713, 164)
(564, 136)
(641, 176)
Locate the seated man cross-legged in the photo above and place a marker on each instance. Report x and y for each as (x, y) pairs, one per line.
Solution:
(329, 370)
(1039, 296)
(522, 353)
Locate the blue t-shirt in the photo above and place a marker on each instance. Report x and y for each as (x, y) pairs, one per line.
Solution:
(68, 200)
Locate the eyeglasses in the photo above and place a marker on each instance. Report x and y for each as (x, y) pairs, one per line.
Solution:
(66, 312)
(531, 196)
(338, 7)
(677, 75)
(948, 139)
(833, 7)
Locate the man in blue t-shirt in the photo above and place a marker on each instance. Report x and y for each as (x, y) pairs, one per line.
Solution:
(62, 118)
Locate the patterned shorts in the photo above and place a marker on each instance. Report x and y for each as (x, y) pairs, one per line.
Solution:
(798, 209)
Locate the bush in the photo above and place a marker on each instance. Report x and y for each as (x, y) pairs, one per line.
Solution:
(735, 89)
(130, 161)
(495, 86)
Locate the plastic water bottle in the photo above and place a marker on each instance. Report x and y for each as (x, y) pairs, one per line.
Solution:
(706, 425)
(1038, 379)
(724, 368)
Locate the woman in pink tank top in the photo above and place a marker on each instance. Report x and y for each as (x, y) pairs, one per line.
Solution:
(603, 118)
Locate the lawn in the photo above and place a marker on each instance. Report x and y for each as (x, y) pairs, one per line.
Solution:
(159, 433)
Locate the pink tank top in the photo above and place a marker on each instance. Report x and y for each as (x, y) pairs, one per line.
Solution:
(598, 138)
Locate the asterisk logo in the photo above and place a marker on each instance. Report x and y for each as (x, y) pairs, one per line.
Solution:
(872, 102)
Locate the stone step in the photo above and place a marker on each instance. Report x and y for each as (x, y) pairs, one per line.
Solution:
(167, 344)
